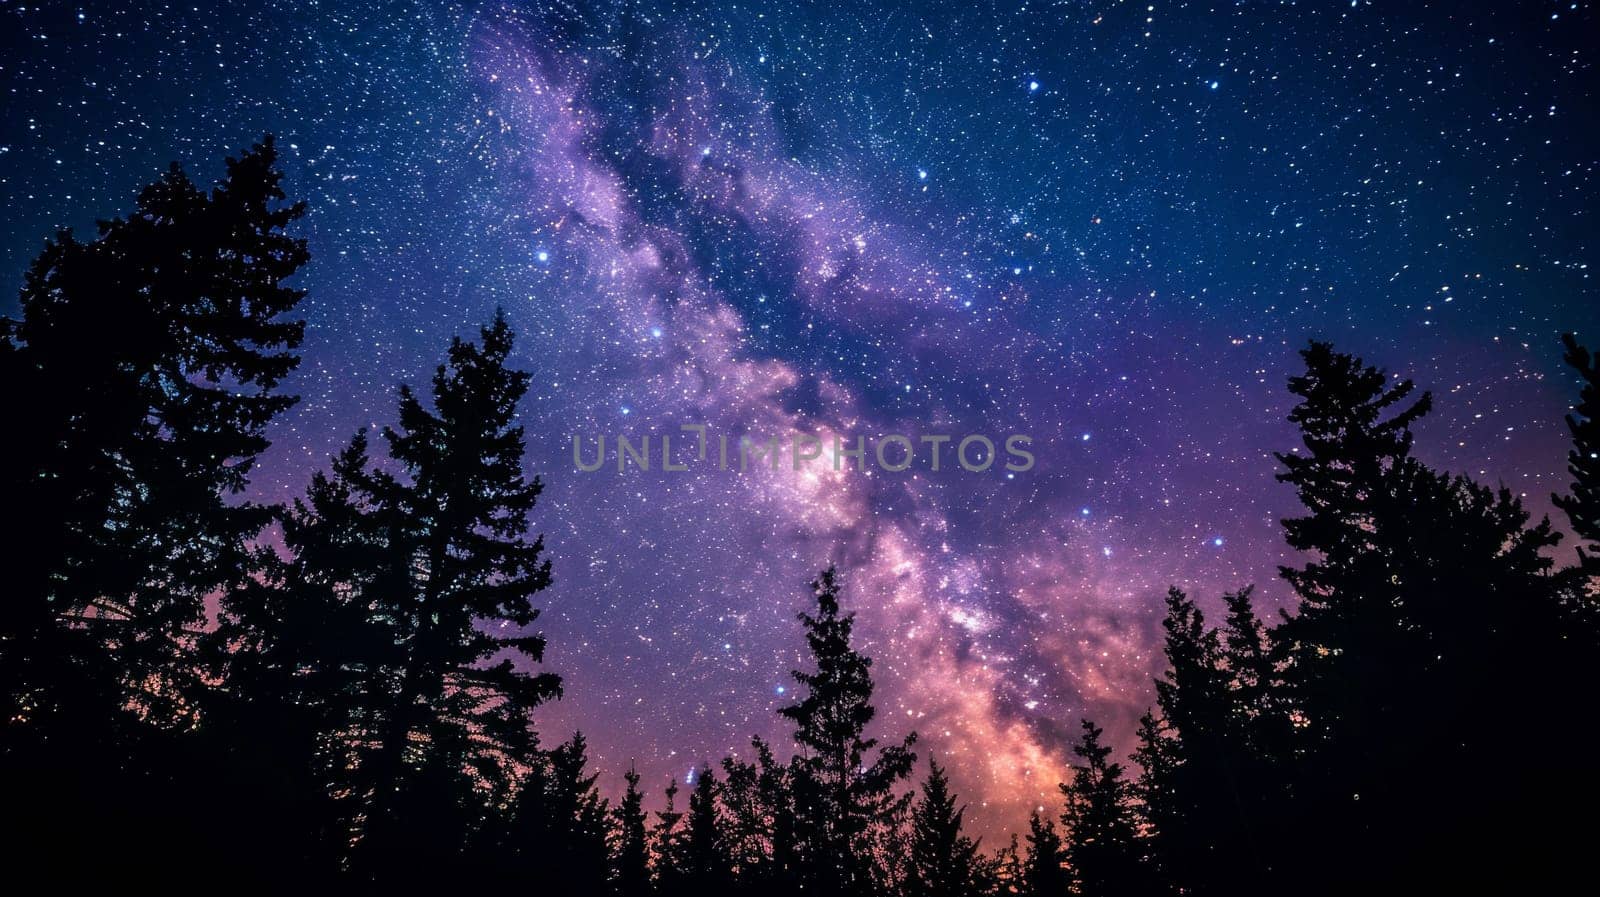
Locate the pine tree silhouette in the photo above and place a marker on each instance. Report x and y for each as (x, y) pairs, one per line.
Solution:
(1210, 780)
(943, 861)
(667, 842)
(556, 831)
(1416, 578)
(1045, 873)
(1004, 874)
(1568, 674)
(1102, 846)
(693, 846)
(1252, 660)
(138, 384)
(1582, 505)
(1345, 643)
(844, 803)
(761, 823)
(423, 577)
(707, 854)
(632, 858)
(1352, 448)
(301, 662)
(1206, 785)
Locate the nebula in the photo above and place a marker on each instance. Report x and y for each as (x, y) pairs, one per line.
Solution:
(676, 220)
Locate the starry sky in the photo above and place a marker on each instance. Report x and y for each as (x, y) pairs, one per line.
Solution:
(1108, 225)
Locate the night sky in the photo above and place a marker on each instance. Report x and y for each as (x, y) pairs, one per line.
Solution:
(1105, 225)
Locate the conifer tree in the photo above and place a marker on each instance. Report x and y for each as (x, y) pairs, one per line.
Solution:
(761, 822)
(1159, 756)
(844, 803)
(1192, 693)
(1568, 675)
(139, 381)
(1346, 645)
(1248, 657)
(699, 862)
(1045, 873)
(301, 661)
(576, 844)
(667, 839)
(1414, 579)
(556, 832)
(430, 569)
(708, 850)
(1356, 431)
(1582, 504)
(943, 861)
(633, 849)
(1102, 834)
(1003, 875)
(1199, 783)
(1208, 782)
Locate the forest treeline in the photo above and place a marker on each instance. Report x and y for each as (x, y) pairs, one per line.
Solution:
(205, 692)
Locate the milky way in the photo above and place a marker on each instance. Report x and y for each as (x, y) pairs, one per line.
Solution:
(1104, 225)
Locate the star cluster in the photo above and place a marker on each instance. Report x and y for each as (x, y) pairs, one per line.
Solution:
(1105, 225)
